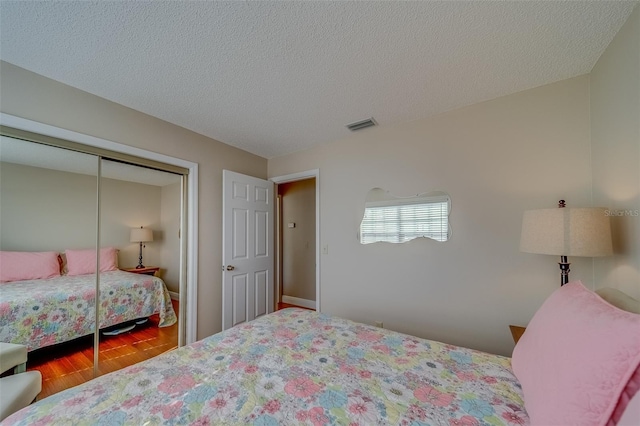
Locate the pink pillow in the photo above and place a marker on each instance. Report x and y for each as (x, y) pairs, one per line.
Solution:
(18, 265)
(81, 262)
(631, 415)
(629, 394)
(576, 357)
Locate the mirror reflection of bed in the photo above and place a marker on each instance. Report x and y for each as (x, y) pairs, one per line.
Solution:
(49, 203)
(69, 364)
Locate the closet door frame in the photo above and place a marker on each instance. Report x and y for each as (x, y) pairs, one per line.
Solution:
(188, 308)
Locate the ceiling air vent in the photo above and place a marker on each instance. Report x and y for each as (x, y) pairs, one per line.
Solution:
(358, 125)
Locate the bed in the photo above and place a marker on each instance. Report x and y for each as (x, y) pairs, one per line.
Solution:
(301, 367)
(42, 312)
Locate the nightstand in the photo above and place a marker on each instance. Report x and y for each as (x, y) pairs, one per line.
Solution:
(148, 270)
(517, 332)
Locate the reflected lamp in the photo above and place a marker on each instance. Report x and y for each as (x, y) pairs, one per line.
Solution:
(141, 235)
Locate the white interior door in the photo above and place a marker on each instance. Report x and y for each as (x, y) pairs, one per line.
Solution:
(247, 248)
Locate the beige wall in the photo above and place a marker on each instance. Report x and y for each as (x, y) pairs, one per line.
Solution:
(43, 209)
(46, 210)
(170, 224)
(127, 205)
(615, 138)
(299, 243)
(496, 159)
(28, 95)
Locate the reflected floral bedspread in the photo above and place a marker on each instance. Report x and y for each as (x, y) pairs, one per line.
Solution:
(298, 367)
(39, 313)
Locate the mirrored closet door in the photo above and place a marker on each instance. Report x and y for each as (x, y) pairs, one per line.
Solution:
(139, 280)
(60, 205)
(48, 210)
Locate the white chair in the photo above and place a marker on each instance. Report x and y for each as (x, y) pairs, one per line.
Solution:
(20, 389)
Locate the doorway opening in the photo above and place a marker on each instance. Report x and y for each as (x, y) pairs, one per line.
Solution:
(297, 241)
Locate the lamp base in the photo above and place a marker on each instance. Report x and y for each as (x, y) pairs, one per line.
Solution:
(564, 270)
(140, 265)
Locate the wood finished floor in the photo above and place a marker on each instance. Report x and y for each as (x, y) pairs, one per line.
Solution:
(70, 364)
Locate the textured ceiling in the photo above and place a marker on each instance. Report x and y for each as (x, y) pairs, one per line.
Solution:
(278, 77)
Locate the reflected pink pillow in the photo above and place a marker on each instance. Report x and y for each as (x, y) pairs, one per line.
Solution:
(19, 266)
(576, 358)
(81, 262)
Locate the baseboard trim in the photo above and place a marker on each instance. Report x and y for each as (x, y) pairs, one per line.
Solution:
(174, 295)
(305, 303)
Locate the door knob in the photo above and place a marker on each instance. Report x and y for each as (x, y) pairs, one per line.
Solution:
(230, 268)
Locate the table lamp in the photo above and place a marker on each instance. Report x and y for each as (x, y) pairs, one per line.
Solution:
(141, 235)
(564, 231)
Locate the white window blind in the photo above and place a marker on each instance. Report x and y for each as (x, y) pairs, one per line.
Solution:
(395, 222)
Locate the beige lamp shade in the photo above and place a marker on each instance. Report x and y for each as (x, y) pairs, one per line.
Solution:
(567, 232)
(141, 235)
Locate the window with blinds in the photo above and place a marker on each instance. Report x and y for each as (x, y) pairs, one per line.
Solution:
(395, 221)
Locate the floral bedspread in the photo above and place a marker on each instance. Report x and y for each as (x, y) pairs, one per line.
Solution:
(39, 313)
(297, 367)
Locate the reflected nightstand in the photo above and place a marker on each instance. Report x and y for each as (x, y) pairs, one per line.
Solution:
(149, 270)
